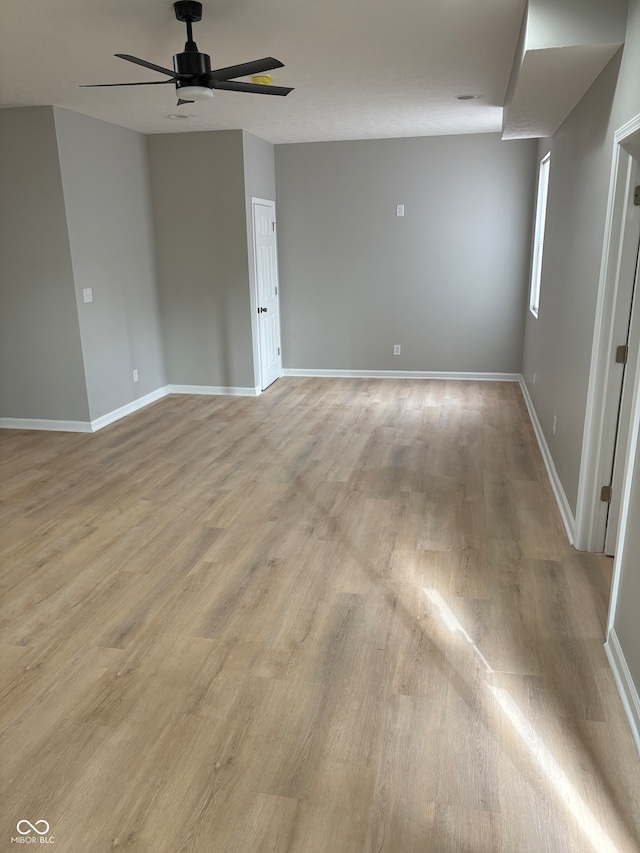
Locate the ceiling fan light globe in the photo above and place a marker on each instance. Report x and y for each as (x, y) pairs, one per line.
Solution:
(194, 93)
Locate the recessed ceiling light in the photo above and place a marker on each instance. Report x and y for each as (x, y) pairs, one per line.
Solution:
(176, 116)
(467, 97)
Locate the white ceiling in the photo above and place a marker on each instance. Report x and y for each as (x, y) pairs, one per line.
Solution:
(360, 68)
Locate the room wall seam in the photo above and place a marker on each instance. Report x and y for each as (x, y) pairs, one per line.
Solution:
(65, 198)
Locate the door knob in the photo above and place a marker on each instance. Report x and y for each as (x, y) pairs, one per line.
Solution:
(262, 310)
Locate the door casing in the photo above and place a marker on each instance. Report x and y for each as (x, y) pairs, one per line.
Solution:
(617, 273)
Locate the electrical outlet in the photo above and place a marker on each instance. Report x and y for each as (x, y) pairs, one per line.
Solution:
(396, 349)
(555, 423)
(87, 294)
(135, 375)
(399, 209)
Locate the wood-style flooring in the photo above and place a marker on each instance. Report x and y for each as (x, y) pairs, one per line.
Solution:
(342, 617)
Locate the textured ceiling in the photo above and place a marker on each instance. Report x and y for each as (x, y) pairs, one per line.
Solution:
(380, 68)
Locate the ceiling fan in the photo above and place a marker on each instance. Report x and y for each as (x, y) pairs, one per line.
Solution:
(192, 74)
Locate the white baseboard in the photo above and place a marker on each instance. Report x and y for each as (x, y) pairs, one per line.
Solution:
(214, 390)
(561, 498)
(123, 411)
(624, 682)
(84, 426)
(128, 409)
(400, 374)
(45, 424)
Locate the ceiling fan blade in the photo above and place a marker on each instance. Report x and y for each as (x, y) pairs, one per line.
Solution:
(255, 88)
(181, 102)
(146, 83)
(150, 65)
(245, 68)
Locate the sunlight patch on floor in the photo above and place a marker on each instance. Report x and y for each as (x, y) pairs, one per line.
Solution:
(586, 821)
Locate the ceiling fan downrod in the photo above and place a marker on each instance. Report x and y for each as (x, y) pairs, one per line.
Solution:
(189, 12)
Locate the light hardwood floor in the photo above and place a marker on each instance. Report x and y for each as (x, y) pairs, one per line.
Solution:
(339, 618)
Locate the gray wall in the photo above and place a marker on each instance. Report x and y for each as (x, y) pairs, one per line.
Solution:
(259, 182)
(558, 344)
(197, 187)
(41, 368)
(447, 281)
(554, 23)
(106, 192)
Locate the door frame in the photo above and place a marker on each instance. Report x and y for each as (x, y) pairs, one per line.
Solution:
(622, 228)
(255, 326)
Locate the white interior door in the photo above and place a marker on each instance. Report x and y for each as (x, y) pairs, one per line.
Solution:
(627, 381)
(266, 283)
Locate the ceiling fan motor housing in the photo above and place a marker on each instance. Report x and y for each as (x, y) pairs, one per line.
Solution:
(191, 62)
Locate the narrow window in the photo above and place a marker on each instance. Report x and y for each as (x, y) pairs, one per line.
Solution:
(538, 237)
